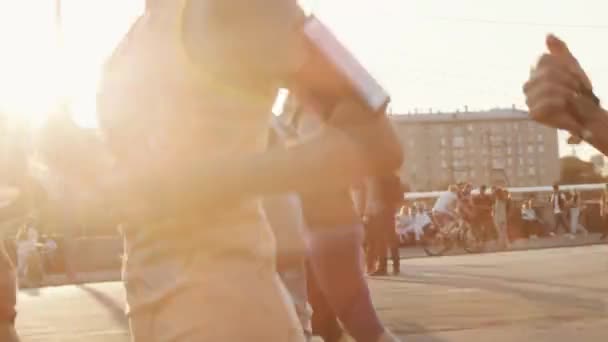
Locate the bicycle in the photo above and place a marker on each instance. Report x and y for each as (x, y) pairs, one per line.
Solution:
(438, 239)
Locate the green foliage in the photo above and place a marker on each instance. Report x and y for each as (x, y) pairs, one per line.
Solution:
(576, 171)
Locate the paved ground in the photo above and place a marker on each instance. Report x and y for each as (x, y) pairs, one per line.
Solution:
(519, 245)
(542, 295)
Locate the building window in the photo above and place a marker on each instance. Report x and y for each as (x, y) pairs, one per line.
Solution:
(497, 139)
(458, 142)
(443, 141)
(540, 137)
(510, 161)
(461, 176)
(498, 163)
(541, 148)
(530, 149)
(521, 161)
(470, 127)
(530, 161)
(509, 151)
(531, 171)
(444, 164)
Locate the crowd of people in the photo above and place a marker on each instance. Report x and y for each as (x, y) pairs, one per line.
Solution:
(494, 214)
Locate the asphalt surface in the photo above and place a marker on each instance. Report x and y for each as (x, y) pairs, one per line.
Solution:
(540, 295)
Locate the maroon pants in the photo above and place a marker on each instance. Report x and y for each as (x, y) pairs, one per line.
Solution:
(8, 288)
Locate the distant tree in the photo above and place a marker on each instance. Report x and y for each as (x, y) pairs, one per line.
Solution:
(576, 171)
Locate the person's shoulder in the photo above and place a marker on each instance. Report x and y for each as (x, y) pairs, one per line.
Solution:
(256, 25)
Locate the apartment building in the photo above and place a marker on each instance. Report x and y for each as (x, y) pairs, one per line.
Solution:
(499, 146)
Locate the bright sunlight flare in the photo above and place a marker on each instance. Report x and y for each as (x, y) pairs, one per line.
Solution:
(44, 68)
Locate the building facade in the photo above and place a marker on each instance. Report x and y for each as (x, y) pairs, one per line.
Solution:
(496, 147)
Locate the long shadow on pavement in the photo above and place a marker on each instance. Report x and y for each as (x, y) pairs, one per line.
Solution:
(524, 281)
(115, 309)
(421, 333)
(593, 307)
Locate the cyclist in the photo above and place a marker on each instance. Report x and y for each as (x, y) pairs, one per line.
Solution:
(444, 210)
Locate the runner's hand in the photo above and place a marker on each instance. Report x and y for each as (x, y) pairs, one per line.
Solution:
(554, 88)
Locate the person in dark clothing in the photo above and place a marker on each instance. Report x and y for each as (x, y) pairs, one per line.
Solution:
(604, 211)
(337, 290)
(484, 221)
(324, 320)
(558, 205)
(385, 196)
(13, 205)
(8, 298)
(8, 282)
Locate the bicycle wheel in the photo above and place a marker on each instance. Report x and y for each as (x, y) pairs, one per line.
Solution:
(471, 241)
(434, 242)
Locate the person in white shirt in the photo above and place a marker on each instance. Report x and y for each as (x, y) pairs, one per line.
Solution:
(403, 220)
(445, 206)
(421, 221)
(412, 221)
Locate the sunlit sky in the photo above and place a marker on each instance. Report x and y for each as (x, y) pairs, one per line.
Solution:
(439, 54)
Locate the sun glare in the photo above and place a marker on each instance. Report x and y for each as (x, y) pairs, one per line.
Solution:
(41, 70)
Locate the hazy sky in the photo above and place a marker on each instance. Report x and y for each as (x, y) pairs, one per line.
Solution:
(440, 54)
(444, 54)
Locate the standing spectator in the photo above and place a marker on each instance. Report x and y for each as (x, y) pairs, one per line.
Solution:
(466, 207)
(575, 205)
(501, 210)
(385, 197)
(604, 213)
(558, 204)
(483, 212)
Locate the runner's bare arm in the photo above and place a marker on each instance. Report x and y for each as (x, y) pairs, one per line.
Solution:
(331, 160)
(352, 146)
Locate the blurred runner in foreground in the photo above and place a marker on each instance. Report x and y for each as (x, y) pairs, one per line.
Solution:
(184, 105)
(8, 280)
